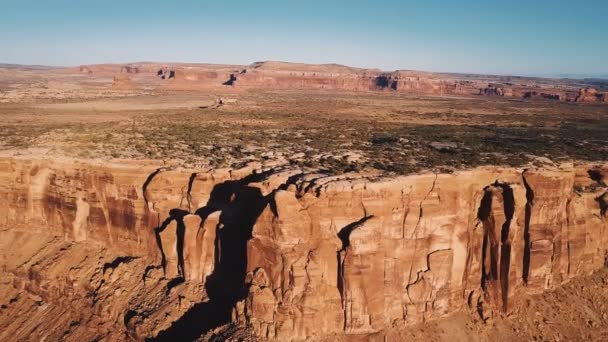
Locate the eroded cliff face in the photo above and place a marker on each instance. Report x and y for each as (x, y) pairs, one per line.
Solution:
(149, 251)
(414, 248)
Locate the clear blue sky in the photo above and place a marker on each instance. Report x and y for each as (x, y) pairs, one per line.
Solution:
(504, 37)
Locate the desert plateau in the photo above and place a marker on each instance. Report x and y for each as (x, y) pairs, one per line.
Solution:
(303, 171)
(285, 201)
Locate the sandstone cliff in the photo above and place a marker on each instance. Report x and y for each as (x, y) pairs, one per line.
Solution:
(144, 250)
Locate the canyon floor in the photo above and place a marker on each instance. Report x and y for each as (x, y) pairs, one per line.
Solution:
(88, 117)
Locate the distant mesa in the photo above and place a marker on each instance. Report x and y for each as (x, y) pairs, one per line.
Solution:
(166, 73)
(128, 69)
(286, 75)
(85, 70)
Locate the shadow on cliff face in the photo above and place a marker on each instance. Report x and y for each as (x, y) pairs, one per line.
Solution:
(384, 82)
(528, 219)
(603, 203)
(240, 206)
(496, 250)
(177, 215)
(230, 81)
(596, 176)
(344, 236)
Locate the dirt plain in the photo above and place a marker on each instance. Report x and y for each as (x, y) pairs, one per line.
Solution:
(78, 116)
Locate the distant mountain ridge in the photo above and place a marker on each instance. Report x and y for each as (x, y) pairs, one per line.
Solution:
(326, 67)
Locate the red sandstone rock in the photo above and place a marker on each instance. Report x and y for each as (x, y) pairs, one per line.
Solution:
(314, 255)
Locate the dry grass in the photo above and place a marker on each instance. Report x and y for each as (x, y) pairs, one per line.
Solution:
(336, 132)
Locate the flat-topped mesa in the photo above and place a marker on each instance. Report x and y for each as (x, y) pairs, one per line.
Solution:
(295, 255)
(282, 75)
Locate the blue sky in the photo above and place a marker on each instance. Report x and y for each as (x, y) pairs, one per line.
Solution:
(532, 37)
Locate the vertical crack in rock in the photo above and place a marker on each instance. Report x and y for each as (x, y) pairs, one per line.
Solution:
(147, 182)
(505, 242)
(177, 215)
(414, 235)
(529, 205)
(496, 251)
(189, 191)
(415, 232)
(344, 236)
(406, 211)
(420, 276)
(483, 214)
(364, 210)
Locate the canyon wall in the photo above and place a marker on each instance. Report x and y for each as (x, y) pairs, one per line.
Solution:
(359, 256)
(141, 250)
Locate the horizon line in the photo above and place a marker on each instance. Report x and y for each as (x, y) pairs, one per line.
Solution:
(555, 75)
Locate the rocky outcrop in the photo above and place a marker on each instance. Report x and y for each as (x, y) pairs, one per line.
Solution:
(287, 253)
(492, 91)
(280, 75)
(415, 82)
(129, 69)
(122, 82)
(591, 95)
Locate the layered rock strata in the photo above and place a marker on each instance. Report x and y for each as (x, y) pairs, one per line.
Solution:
(281, 75)
(144, 250)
